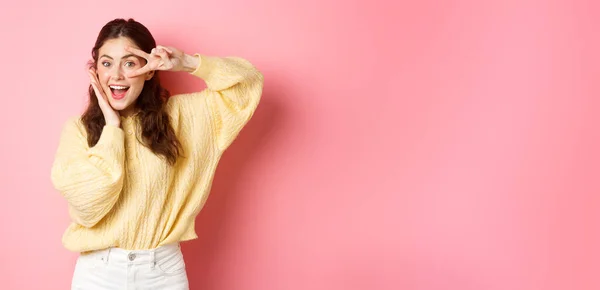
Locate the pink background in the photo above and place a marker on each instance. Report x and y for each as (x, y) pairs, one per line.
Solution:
(419, 145)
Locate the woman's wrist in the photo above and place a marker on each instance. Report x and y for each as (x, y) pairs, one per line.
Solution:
(114, 124)
(190, 62)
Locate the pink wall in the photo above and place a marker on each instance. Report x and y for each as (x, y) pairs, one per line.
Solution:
(421, 145)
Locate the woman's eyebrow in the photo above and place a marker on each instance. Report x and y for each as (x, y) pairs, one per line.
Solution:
(125, 56)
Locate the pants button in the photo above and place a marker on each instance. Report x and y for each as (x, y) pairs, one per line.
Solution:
(131, 256)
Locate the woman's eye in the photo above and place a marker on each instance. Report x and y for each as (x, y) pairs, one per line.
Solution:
(105, 63)
(130, 64)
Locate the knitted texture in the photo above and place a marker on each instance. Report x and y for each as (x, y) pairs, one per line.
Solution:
(120, 194)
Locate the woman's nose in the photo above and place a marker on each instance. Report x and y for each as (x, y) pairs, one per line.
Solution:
(116, 73)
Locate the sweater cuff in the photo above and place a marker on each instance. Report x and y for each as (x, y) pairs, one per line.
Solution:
(205, 66)
(111, 135)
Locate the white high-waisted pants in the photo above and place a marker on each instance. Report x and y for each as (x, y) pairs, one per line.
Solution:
(162, 268)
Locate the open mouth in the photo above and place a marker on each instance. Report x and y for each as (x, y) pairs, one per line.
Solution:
(118, 92)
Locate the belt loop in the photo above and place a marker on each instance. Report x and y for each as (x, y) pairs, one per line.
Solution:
(106, 255)
(152, 259)
(103, 255)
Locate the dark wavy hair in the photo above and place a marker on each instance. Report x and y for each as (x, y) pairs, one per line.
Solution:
(157, 133)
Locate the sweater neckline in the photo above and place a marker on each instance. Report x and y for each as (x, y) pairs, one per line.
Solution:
(130, 117)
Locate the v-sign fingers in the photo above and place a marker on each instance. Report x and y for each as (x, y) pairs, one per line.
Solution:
(140, 71)
(165, 48)
(138, 52)
(165, 63)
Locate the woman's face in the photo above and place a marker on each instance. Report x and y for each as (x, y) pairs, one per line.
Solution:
(114, 63)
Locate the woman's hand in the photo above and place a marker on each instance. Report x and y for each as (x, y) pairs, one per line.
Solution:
(111, 116)
(163, 58)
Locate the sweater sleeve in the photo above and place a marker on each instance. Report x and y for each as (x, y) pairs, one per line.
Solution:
(90, 179)
(234, 89)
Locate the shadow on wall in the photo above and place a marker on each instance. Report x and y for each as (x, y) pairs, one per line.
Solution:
(203, 253)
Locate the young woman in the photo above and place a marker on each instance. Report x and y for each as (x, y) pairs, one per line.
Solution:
(137, 166)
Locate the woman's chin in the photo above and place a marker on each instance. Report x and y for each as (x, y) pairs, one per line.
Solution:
(118, 105)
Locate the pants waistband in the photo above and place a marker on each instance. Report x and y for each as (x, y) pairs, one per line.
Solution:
(121, 256)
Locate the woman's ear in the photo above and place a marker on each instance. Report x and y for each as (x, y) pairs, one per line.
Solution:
(149, 75)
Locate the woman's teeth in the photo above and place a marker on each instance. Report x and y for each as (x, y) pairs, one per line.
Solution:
(118, 92)
(119, 87)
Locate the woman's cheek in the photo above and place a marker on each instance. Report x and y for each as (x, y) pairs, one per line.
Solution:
(104, 76)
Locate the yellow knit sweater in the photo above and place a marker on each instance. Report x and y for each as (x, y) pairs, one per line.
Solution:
(120, 194)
